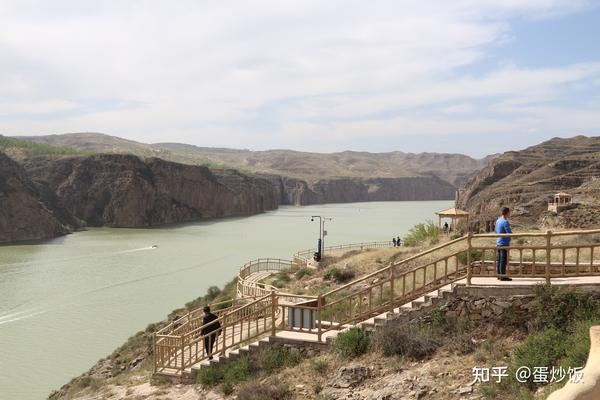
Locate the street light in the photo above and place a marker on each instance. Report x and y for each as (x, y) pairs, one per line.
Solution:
(322, 232)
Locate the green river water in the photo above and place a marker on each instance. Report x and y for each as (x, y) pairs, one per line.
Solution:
(67, 302)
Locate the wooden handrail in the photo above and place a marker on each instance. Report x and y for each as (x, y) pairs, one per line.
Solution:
(265, 314)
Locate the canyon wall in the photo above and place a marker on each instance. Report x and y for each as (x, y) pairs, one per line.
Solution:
(23, 213)
(46, 196)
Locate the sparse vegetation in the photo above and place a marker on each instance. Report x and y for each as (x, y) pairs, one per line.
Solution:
(273, 390)
(272, 359)
(352, 343)
(302, 272)
(34, 149)
(339, 275)
(414, 342)
(421, 233)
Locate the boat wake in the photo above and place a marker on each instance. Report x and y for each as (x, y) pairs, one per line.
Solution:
(17, 316)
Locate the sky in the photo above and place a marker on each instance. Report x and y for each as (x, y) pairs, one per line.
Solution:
(468, 76)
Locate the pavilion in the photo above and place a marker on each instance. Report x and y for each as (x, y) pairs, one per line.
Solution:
(454, 214)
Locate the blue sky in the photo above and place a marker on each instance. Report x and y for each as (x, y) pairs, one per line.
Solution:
(469, 76)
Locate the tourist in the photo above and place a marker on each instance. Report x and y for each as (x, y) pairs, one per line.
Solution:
(394, 240)
(503, 226)
(446, 228)
(212, 331)
(398, 242)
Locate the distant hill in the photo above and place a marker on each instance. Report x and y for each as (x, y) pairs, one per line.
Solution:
(20, 148)
(527, 179)
(453, 168)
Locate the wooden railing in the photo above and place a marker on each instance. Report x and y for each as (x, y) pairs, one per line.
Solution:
(250, 288)
(548, 255)
(538, 254)
(308, 254)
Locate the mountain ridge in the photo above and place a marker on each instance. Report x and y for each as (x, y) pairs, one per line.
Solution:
(451, 167)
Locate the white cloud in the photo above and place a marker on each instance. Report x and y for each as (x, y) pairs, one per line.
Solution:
(264, 73)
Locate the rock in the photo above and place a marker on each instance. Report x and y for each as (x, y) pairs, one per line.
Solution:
(465, 390)
(351, 376)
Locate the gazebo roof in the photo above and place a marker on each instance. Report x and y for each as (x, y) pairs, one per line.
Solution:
(453, 212)
(562, 194)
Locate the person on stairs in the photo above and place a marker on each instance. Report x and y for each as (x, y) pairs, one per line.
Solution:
(502, 227)
(211, 331)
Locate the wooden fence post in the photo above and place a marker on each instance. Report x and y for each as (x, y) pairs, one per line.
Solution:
(319, 333)
(154, 353)
(391, 288)
(273, 313)
(548, 254)
(469, 269)
(182, 353)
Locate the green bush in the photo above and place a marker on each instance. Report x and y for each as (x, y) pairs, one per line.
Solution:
(274, 390)
(413, 342)
(421, 232)
(352, 343)
(577, 346)
(227, 388)
(232, 372)
(543, 349)
(273, 359)
(302, 272)
(238, 370)
(559, 308)
(210, 376)
(339, 275)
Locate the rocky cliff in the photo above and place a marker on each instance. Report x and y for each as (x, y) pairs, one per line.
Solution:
(24, 215)
(344, 190)
(453, 168)
(525, 180)
(126, 191)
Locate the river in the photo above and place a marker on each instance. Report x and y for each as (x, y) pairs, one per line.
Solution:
(67, 302)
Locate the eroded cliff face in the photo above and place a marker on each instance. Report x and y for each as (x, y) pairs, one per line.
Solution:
(125, 191)
(51, 195)
(527, 179)
(345, 190)
(23, 213)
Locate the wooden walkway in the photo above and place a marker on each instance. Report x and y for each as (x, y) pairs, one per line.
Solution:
(563, 258)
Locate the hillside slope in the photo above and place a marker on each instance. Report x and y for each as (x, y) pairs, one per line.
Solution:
(453, 168)
(527, 179)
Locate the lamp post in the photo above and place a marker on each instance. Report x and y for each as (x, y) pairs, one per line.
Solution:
(322, 233)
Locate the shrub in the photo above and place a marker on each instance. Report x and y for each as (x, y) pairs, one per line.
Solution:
(274, 390)
(413, 342)
(210, 376)
(273, 359)
(281, 279)
(231, 372)
(319, 365)
(317, 388)
(227, 388)
(212, 293)
(461, 343)
(421, 232)
(302, 272)
(352, 343)
(577, 346)
(542, 349)
(339, 275)
(558, 308)
(238, 370)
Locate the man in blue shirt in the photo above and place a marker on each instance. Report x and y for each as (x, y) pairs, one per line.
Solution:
(503, 226)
